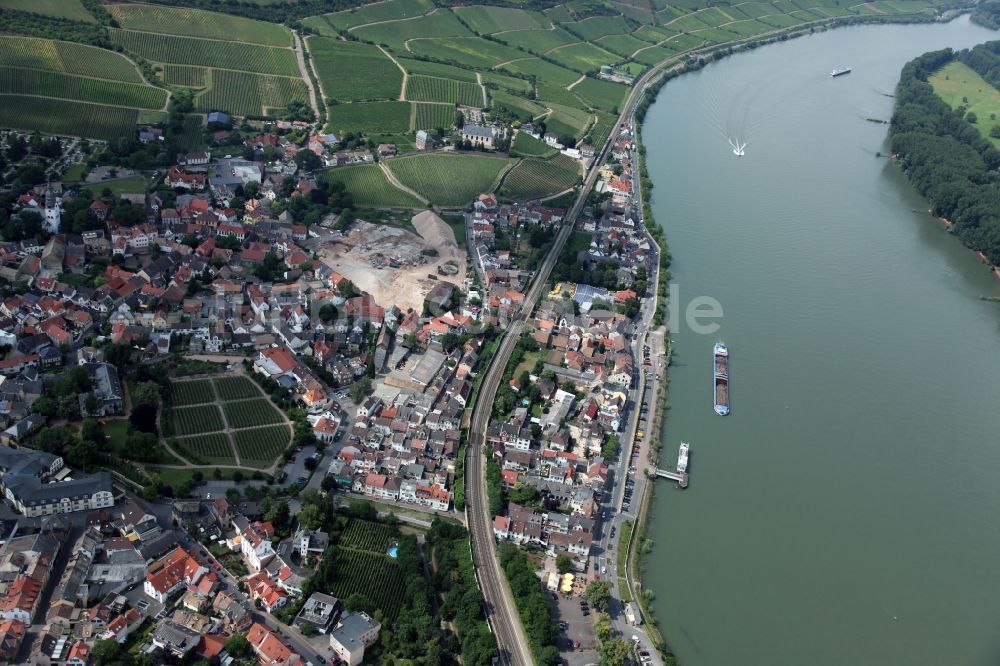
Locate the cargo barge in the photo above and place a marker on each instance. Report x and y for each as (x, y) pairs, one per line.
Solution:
(721, 383)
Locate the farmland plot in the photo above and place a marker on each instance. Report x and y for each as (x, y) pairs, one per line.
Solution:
(246, 94)
(189, 76)
(533, 178)
(377, 11)
(487, 19)
(68, 118)
(370, 117)
(213, 449)
(366, 535)
(449, 179)
(374, 576)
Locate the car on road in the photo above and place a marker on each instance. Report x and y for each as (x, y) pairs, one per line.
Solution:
(604, 570)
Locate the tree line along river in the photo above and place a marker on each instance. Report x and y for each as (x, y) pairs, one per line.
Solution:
(845, 512)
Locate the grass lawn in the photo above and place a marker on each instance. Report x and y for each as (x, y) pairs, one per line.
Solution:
(959, 85)
(75, 173)
(130, 185)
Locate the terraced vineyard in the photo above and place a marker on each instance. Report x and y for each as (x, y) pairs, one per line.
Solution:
(235, 388)
(180, 421)
(372, 117)
(370, 187)
(260, 447)
(250, 413)
(432, 116)
(449, 179)
(193, 392)
(374, 576)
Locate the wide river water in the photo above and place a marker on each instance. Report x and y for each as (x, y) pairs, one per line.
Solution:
(848, 510)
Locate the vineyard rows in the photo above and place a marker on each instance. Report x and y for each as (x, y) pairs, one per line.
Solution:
(236, 388)
(67, 57)
(365, 535)
(194, 51)
(246, 94)
(368, 186)
(532, 178)
(432, 116)
(432, 89)
(191, 420)
(100, 91)
(260, 447)
(199, 23)
(213, 449)
(375, 576)
(250, 413)
(191, 392)
(189, 76)
(68, 118)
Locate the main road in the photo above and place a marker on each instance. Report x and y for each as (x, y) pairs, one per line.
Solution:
(500, 609)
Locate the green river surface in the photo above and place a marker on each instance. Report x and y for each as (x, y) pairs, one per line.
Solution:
(848, 510)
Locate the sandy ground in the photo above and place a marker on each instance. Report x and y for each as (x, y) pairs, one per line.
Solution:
(364, 258)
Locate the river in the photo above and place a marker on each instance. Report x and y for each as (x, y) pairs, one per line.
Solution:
(846, 512)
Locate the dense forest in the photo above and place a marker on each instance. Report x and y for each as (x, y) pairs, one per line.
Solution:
(987, 14)
(944, 156)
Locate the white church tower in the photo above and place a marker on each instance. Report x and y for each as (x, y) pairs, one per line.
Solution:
(52, 211)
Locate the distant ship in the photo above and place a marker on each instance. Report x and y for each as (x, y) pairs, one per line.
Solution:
(682, 458)
(738, 147)
(721, 366)
(840, 72)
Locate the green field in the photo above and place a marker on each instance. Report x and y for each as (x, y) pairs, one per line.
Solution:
(129, 185)
(526, 145)
(421, 88)
(623, 45)
(67, 118)
(67, 57)
(352, 71)
(538, 41)
(959, 85)
(437, 69)
(55, 84)
(376, 11)
(67, 9)
(235, 388)
(534, 178)
(442, 23)
(602, 95)
(260, 447)
(193, 392)
(251, 413)
(596, 27)
(600, 131)
(180, 421)
(199, 23)
(487, 19)
(370, 117)
(370, 187)
(209, 52)
(523, 108)
(506, 82)
(543, 70)
(584, 57)
(469, 51)
(449, 179)
(246, 94)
